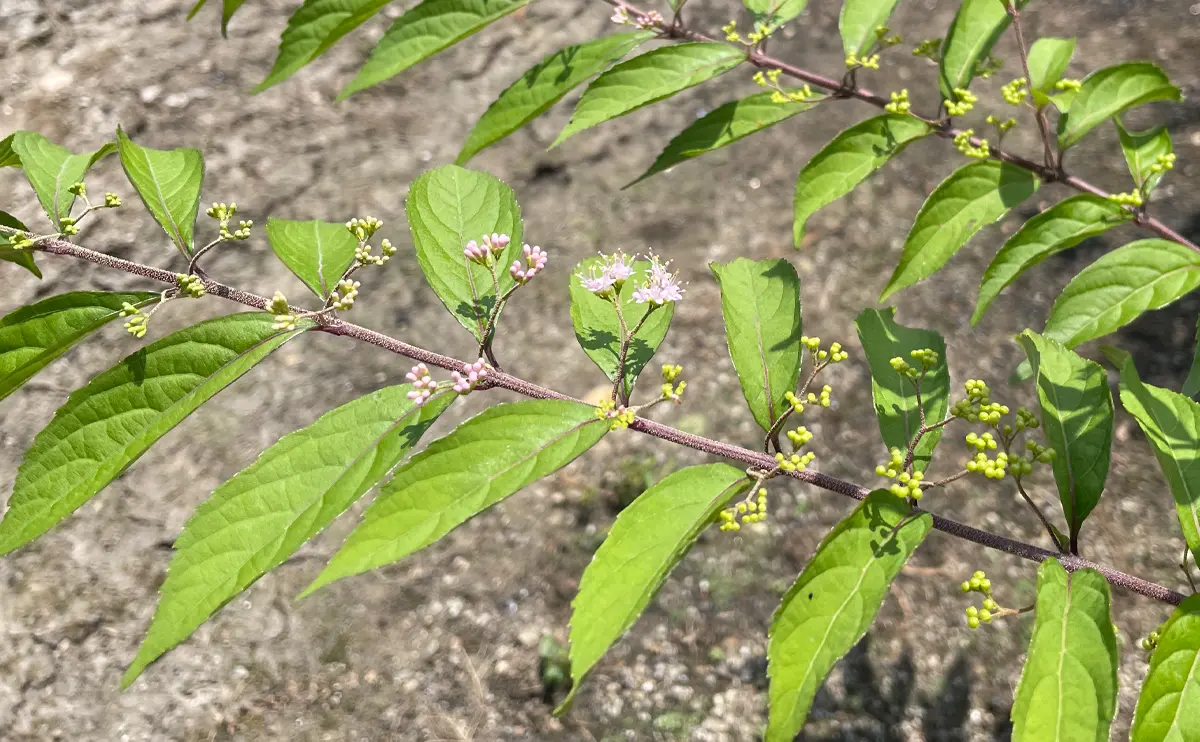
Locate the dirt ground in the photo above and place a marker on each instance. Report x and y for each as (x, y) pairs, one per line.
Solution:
(445, 646)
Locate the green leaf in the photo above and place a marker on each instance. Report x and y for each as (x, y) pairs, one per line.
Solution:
(256, 520)
(1077, 417)
(446, 208)
(724, 126)
(1048, 60)
(598, 328)
(52, 169)
(648, 78)
(895, 396)
(760, 301)
(229, 7)
(1109, 91)
(775, 12)
(317, 252)
(108, 424)
(423, 31)
(1142, 149)
(544, 85)
(1168, 709)
(168, 182)
(848, 160)
(858, 22)
(481, 462)
(313, 30)
(648, 539)
(1171, 422)
(973, 197)
(1058, 228)
(976, 28)
(1191, 385)
(8, 157)
(22, 257)
(1117, 288)
(833, 603)
(1068, 687)
(33, 336)
(1062, 100)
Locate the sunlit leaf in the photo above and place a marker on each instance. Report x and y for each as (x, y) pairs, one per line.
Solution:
(1058, 228)
(317, 252)
(545, 84)
(760, 301)
(168, 182)
(649, 538)
(8, 157)
(22, 257)
(833, 603)
(481, 462)
(848, 160)
(976, 28)
(1109, 91)
(1048, 60)
(648, 78)
(108, 424)
(1120, 286)
(1077, 419)
(1068, 688)
(313, 30)
(895, 396)
(52, 169)
(423, 31)
(858, 22)
(973, 197)
(1168, 709)
(260, 517)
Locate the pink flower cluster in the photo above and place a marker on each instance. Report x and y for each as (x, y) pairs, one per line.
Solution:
(609, 274)
(535, 261)
(491, 244)
(607, 277)
(661, 285)
(471, 375)
(423, 384)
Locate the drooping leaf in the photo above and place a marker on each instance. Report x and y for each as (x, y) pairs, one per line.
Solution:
(260, 517)
(1171, 423)
(481, 462)
(895, 396)
(760, 301)
(723, 126)
(1120, 286)
(598, 328)
(1191, 385)
(22, 257)
(228, 8)
(446, 208)
(848, 160)
(1109, 91)
(858, 22)
(423, 31)
(33, 336)
(647, 78)
(313, 30)
(108, 424)
(1168, 709)
(317, 252)
(976, 28)
(1048, 60)
(545, 84)
(52, 169)
(8, 157)
(775, 12)
(973, 197)
(650, 537)
(833, 603)
(168, 182)
(1068, 688)
(1142, 150)
(1058, 228)
(1077, 418)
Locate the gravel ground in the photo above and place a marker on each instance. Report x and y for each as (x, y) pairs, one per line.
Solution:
(446, 645)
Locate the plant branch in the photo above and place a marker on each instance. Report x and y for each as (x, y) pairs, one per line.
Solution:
(1040, 111)
(1041, 516)
(500, 379)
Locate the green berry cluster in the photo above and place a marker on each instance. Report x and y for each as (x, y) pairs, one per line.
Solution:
(930, 49)
(793, 95)
(835, 354)
(979, 583)
(900, 102)
(981, 443)
(69, 226)
(799, 437)
(1163, 163)
(907, 485)
(978, 407)
(617, 416)
(870, 62)
(747, 511)
(761, 32)
(795, 462)
(1150, 643)
(926, 359)
(363, 228)
(1133, 198)
(223, 213)
(138, 320)
(670, 390)
(1020, 466)
(364, 256)
(285, 319)
(962, 142)
(964, 101)
(796, 403)
(190, 285)
(1002, 127)
(1068, 84)
(990, 468)
(347, 292)
(821, 399)
(1016, 91)
(111, 201)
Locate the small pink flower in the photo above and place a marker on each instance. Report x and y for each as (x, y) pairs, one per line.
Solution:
(619, 267)
(661, 285)
(470, 376)
(649, 20)
(535, 261)
(496, 242)
(621, 16)
(419, 396)
(476, 252)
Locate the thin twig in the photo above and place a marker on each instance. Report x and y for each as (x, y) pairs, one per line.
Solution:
(1041, 516)
(1040, 111)
(500, 379)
